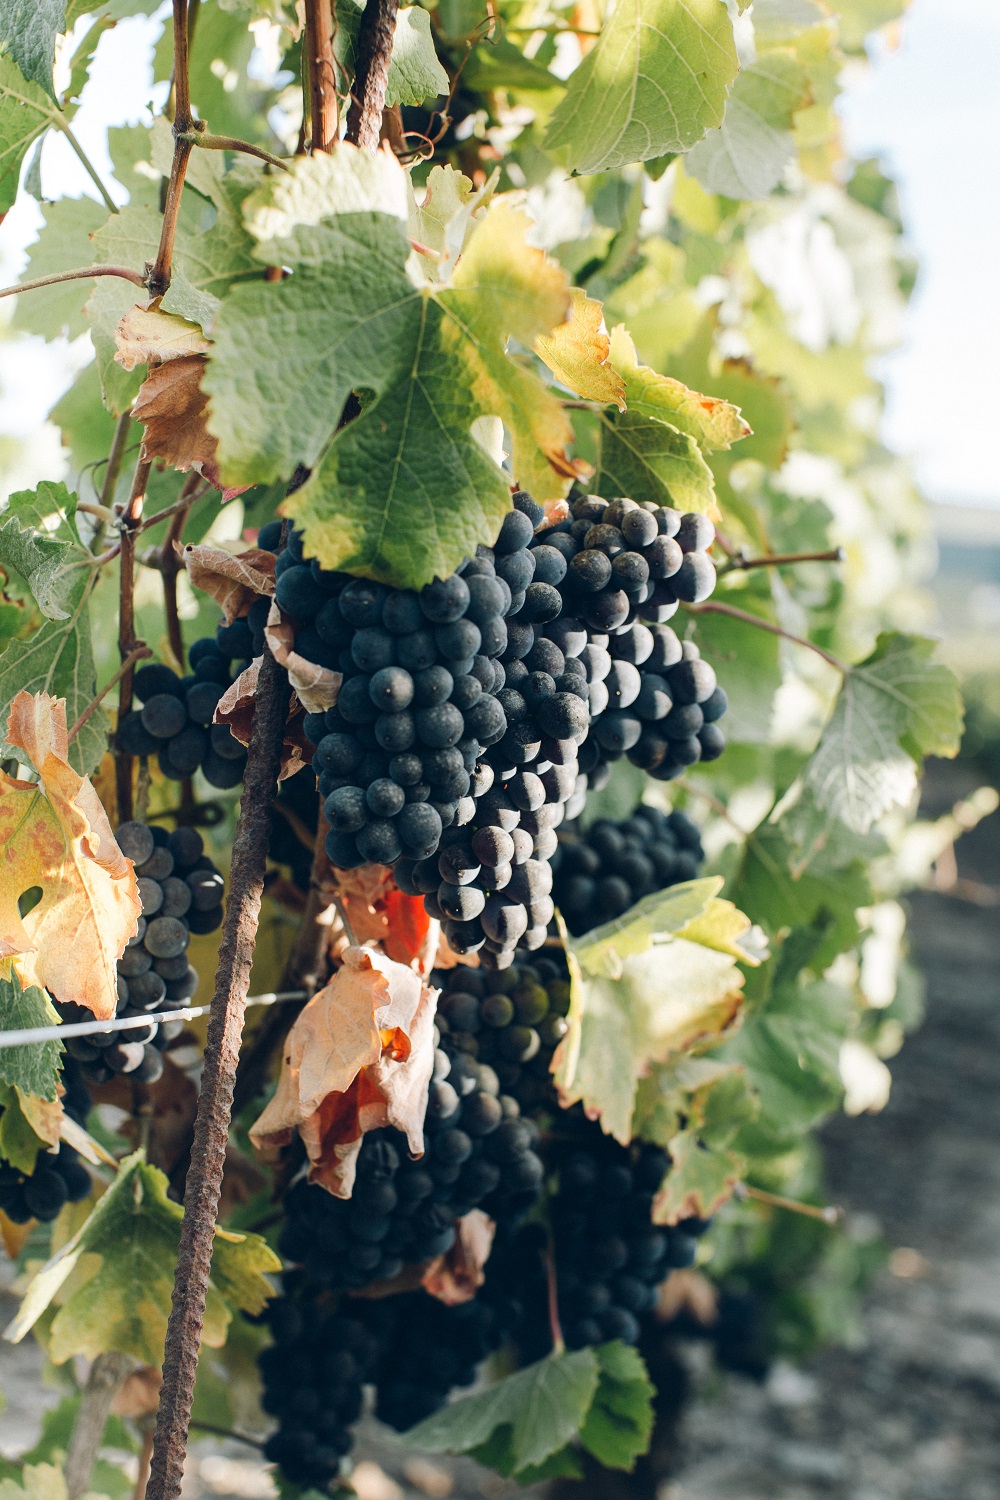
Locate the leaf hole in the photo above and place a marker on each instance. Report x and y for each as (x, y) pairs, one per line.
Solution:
(28, 900)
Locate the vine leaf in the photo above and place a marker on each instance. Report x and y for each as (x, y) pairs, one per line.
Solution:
(578, 353)
(713, 423)
(444, 219)
(28, 31)
(25, 114)
(35, 1482)
(38, 531)
(415, 74)
(43, 554)
(111, 1283)
(645, 988)
(528, 1425)
(456, 1276)
(64, 240)
(894, 708)
(55, 834)
(746, 156)
(358, 1058)
(520, 1422)
(233, 579)
(236, 708)
(654, 83)
(405, 490)
(173, 408)
(34, 1068)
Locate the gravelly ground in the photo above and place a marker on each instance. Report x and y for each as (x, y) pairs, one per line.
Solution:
(915, 1413)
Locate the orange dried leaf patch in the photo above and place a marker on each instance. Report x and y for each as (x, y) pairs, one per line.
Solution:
(358, 1058)
(173, 408)
(233, 580)
(55, 835)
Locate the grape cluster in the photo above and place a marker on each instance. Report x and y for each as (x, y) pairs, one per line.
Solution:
(399, 757)
(56, 1180)
(313, 1375)
(496, 1034)
(650, 696)
(181, 892)
(600, 872)
(175, 721)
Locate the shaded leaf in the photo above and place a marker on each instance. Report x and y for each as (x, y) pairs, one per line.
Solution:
(619, 1424)
(700, 1180)
(47, 556)
(456, 1277)
(655, 82)
(28, 31)
(25, 113)
(746, 156)
(55, 834)
(28, 1125)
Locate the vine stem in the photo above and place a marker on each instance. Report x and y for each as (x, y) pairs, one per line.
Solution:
(552, 1291)
(375, 38)
(716, 607)
(222, 1048)
(126, 666)
(115, 460)
(124, 273)
(209, 142)
(127, 641)
(59, 121)
(324, 116)
(159, 275)
(739, 562)
(829, 1215)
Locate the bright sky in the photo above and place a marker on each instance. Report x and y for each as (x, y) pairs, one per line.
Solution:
(931, 107)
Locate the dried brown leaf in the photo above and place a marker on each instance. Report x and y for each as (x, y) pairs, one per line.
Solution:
(173, 408)
(233, 580)
(359, 1057)
(457, 1276)
(317, 687)
(236, 708)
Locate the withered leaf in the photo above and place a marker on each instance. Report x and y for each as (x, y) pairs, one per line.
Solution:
(173, 408)
(317, 687)
(457, 1276)
(359, 1057)
(145, 334)
(233, 580)
(56, 835)
(236, 708)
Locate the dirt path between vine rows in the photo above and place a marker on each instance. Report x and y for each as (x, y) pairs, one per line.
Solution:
(913, 1414)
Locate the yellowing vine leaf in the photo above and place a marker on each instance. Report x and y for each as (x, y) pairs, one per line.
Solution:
(643, 993)
(711, 422)
(578, 353)
(358, 1058)
(411, 485)
(111, 1282)
(56, 835)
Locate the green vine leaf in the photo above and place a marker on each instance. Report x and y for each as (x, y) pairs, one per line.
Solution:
(58, 658)
(34, 1068)
(64, 241)
(894, 708)
(619, 1423)
(111, 1283)
(25, 113)
(28, 1125)
(415, 74)
(28, 30)
(746, 156)
(655, 82)
(407, 489)
(536, 1412)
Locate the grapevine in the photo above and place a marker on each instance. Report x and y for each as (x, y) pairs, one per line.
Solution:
(459, 589)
